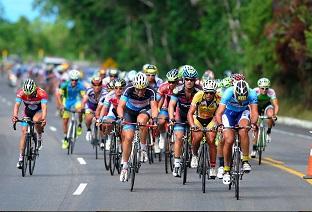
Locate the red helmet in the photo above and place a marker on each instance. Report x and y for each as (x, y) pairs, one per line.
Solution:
(236, 77)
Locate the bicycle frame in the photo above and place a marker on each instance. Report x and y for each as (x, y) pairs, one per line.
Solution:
(72, 131)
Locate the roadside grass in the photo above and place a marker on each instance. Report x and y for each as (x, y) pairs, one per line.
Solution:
(293, 109)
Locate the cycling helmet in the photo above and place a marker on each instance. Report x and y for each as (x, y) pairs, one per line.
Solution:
(111, 85)
(227, 73)
(208, 75)
(241, 88)
(140, 81)
(264, 83)
(150, 69)
(210, 86)
(172, 75)
(120, 83)
(29, 86)
(236, 77)
(226, 82)
(130, 75)
(102, 71)
(122, 74)
(189, 72)
(74, 74)
(113, 72)
(96, 80)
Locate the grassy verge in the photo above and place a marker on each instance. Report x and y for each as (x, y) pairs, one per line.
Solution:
(294, 109)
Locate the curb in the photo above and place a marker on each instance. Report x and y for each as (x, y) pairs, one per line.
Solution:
(294, 122)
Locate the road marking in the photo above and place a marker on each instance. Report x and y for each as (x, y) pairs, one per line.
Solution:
(80, 188)
(274, 161)
(81, 161)
(285, 168)
(292, 134)
(52, 128)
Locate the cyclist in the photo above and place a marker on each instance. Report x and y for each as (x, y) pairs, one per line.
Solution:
(35, 100)
(137, 104)
(201, 115)
(112, 74)
(208, 74)
(178, 107)
(268, 105)
(151, 72)
(69, 96)
(164, 93)
(130, 76)
(225, 83)
(110, 102)
(234, 110)
(90, 102)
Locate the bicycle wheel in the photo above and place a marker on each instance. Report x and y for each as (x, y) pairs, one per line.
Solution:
(237, 163)
(150, 147)
(171, 152)
(185, 159)
(260, 144)
(95, 140)
(112, 156)
(118, 155)
(25, 156)
(73, 140)
(106, 154)
(204, 167)
(33, 152)
(134, 166)
(167, 153)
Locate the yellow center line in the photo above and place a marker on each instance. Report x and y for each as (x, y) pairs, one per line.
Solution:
(279, 164)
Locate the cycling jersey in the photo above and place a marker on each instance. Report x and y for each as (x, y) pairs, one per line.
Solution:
(205, 109)
(136, 103)
(164, 91)
(156, 85)
(92, 99)
(71, 93)
(30, 102)
(264, 100)
(231, 103)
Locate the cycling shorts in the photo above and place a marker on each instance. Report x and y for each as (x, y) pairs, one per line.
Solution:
(29, 113)
(232, 118)
(203, 123)
(264, 110)
(131, 116)
(71, 105)
(163, 112)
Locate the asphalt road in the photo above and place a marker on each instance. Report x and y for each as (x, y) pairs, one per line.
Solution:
(61, 182)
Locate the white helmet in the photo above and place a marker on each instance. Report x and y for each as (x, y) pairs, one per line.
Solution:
(29, 86)
(140, 81)
(74, 74)
(130, 75)
(241, 89)
(264, 83)
(210, 86)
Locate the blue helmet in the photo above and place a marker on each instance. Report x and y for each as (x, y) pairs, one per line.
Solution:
(189, 72)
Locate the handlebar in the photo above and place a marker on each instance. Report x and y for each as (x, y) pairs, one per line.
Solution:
(27, 120)
(203, 130)
(138, 124)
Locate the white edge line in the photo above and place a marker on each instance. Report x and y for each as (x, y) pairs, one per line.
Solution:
(81, 161)
(80, 188)
(52, 128)
(292, 134)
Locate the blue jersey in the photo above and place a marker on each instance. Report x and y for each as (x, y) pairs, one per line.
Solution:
(136, 103)
(231, 103)
(71, 93)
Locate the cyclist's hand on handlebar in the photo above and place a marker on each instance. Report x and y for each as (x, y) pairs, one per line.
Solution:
(14, 119)
(274, 117)
(43, 123)
(220, 127)
(171, 122)
(194, 128)
(155, 121)
(253, 126)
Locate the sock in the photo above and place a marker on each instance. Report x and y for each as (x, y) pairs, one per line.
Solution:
(269, 131)
(245, 158)
(39, 136)
(89, 129)
(226, 169)
(20, 158)
(221, 161)
(143, 147)
(254, 147)
(125, 165)
(177, 162)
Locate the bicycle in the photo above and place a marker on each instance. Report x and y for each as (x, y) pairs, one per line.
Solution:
(115, 148)
(261, 139)
(134, 163)
(236, 171)
(31, 151)
(95, 137)
(204, 165)
(72, 131)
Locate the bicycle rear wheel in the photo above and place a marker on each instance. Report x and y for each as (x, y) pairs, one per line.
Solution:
(185, 160)
(237, 167)
(112, 156)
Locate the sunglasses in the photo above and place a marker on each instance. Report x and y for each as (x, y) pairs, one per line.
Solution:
(210, 92)
(187, 79)
(99, 85)
(150, 75)
(172, 82)
(74, 80)
(119, 88)
(264, 89)
(140, 90)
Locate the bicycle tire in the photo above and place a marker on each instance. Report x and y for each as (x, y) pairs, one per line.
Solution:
(106, 156)
(204, 167)
(112, 156)
(25, 156)
(32, 161)
(134, 166)
(74, 138)
(167, 152)
(171, 153)
(185, 161)
(150, 146)
(260, 144)
(118, 157)
(237, 161)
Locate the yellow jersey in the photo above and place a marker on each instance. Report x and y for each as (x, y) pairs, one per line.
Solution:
(204, 108)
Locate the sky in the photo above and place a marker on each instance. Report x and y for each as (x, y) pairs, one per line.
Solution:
(13, 9)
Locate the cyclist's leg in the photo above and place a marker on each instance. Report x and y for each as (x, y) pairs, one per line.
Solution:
(211, 136)
(196, 138)
(244, 138)
(162, 121)
(143, 118)
(228, 135)
(269, 111)
(78, 107)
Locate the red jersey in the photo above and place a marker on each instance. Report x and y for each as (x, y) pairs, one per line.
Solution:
(32, 102)
(164, 91)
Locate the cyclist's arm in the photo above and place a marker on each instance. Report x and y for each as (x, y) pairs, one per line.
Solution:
(219, 113)
(59, 97)
(275, 105)
(253, 113)
(16, 109)
(171, 107)
(154, 109)
(161, 102)
(44, 109)
(121, 108)
(84, 100)
(98, 111)
(190, 114)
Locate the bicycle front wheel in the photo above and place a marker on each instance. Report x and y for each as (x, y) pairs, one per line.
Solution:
(106, 154)
(261, 140)
(134, 167)
(237, 167)
(112, 156)
(26, 155)
(204, 167)
(185, 160)
(33, 153)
